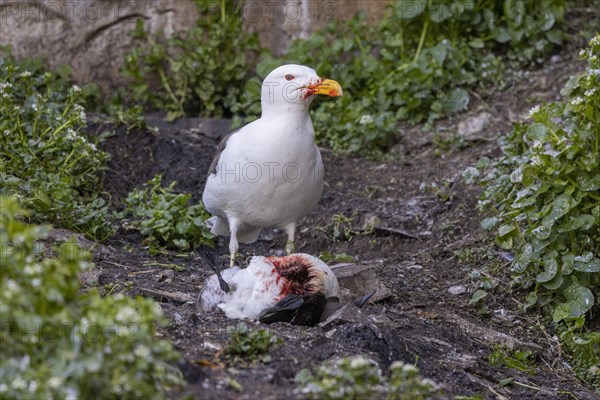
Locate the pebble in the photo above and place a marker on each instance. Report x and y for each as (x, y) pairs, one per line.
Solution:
(457, 289)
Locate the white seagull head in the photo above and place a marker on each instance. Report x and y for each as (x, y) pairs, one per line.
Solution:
(292, 87)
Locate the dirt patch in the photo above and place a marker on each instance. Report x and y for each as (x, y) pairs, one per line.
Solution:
(426, 217)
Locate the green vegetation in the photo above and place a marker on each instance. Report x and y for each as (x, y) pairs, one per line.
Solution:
(544, 196)
(545, 205)
(346, 226)
(45, 158)
(419, 63)
(248, 346)
(59, 343)
(166, 219)
(333, 258)
(523, 360)
(203, 71)
(359, 378)
(583, 350)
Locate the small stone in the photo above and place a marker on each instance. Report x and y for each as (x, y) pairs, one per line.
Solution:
(277, 252)
(166, 276)
(359, 280)
(90, 278)
(178, 318)
(415, 267)
(345, 314)
(457, 289)
(472, 128)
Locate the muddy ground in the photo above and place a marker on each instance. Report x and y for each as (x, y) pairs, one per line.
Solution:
(437, 245)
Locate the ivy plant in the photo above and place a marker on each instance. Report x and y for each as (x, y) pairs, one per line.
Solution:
(544, 197)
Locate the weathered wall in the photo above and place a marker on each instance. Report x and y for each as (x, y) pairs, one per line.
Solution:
(278, 22)
(92, 36)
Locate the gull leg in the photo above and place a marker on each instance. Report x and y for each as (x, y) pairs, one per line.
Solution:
(233, 244)
(291, 231)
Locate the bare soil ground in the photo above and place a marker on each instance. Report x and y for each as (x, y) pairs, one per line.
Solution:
(422, 322)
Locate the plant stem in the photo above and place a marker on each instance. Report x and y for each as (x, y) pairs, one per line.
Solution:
(423, 34)
(167, 87)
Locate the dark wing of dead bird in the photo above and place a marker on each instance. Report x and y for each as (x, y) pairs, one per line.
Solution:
(213, 165)
(297, 310)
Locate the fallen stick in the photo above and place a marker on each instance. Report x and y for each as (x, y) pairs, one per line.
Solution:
(491, 336)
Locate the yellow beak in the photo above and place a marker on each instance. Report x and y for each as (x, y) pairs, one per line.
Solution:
(327, 87)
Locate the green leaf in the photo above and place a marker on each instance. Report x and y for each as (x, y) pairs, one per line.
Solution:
(561, 312)
(550, 270)
(457, 100)
(478, 296)
(555, 36)
(410, 9)
(506, 381)
(537, 132)
(524, 256)
(489, 223)
(583, 222)
(555, 283)
(549, 21)
(580, 300)
(477, 43)
(589, 182)
(501, 35)
(530, 300)
(560, 206)
(591, 266)
(543, 232)
(505, 242)
(568, 264)
(439, 12)
(517, 175)
(505, 230)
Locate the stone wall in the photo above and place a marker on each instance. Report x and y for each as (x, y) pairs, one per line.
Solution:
(92, 35)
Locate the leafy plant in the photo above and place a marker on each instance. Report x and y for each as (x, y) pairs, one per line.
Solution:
(45, 159)
(205, 70)
(333, 258)
(166, 219)
(359, 378)
(59, 343)
(344, 227)
(406, 383)
(544, 196)
(248, 346)
(523, 360)
(583, 350)
(419, 63)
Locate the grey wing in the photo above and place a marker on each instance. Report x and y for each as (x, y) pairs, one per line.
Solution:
(213, 166)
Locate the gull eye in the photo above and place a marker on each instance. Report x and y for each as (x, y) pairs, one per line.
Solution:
(289, 77)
